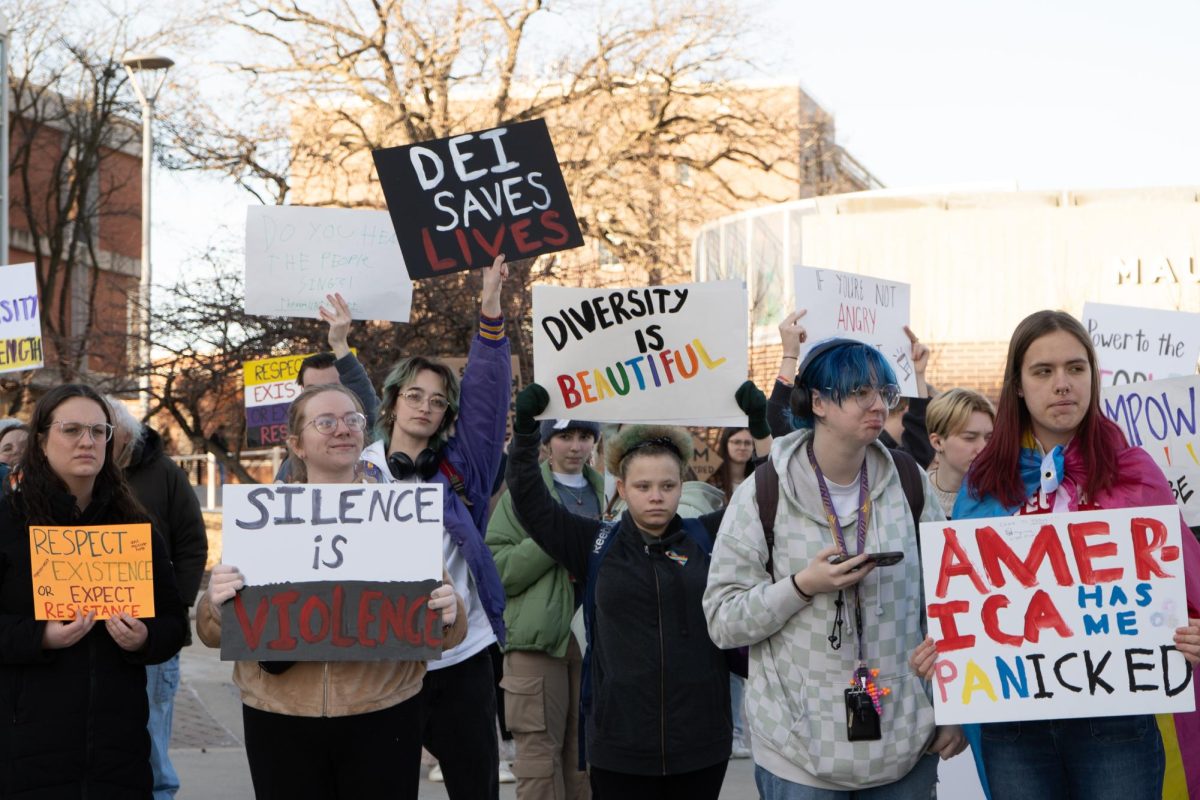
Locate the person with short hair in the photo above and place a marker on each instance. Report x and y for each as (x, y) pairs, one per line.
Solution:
(960, 423)
(830, 633)
(74, 692)
(13, 440)
(542, 660)
(329, 728)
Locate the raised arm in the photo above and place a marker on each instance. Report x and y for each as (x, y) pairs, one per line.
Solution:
(350, 371)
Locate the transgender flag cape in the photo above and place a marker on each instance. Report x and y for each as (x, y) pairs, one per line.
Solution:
(1139, 483)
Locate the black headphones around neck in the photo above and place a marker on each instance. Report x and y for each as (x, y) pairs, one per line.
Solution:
(426, 465)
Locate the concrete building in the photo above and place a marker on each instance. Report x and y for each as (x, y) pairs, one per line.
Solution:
(978, 261)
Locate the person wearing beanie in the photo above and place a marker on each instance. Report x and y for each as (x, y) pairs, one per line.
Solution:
(542, 660)
(656, 688)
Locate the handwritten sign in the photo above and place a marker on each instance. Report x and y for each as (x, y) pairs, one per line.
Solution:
(20, 320)
(1185, 482)
(1057, 615)
(459, 202)
(858, 307)
(334, 572)
(108, 570)
(648, 354)
(1158, 416)
(270, 389)
(1142, 344)
(295, 256)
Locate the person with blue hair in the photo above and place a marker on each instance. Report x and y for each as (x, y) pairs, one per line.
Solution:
(834, 709)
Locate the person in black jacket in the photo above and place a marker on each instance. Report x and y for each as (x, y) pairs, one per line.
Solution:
(660, 724)
(163, 489)
(74, 693)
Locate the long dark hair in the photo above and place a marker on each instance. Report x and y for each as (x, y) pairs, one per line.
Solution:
(721, 478)
(38, 486)
(996, 470)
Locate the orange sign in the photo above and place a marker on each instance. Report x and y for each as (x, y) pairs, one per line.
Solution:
(106, 569)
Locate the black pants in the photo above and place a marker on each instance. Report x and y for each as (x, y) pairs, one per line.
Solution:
(458, 720)
(339, 758)
(702, 784)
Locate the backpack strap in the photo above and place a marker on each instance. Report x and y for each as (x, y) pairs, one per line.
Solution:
(456, 481)
(910, 481)
(766, 492)
(694, 529)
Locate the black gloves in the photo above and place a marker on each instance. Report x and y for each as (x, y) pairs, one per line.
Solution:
(531, 401)
(751, 400)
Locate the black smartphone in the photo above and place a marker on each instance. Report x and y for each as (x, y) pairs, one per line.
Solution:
(878, 559)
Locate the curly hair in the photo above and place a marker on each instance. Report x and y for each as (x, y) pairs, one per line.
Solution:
(648, 440)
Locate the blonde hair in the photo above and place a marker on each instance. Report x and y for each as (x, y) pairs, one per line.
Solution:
(296, 422)
(949, 412)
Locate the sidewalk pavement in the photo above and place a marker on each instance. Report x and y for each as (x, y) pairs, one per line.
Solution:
(208, 754)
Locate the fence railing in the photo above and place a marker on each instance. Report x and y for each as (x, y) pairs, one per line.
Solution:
(207, 474)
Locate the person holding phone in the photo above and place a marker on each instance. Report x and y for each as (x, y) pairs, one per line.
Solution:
(834, 709)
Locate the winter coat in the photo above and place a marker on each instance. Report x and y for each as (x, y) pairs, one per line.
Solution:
(795, 693)
(541, 594)
(74, 719)
(659, 686)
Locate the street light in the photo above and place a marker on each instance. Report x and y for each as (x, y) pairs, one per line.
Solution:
(4, 40)
(147, 73)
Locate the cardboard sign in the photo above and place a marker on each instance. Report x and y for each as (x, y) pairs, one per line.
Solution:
(270, 389)
(295, 256)
(648, 354)
(334, 572)
(459, 202)
(1055, 616)
(858, 307)
(1158, 416)
(1142, 344)
(20, 319)
(106, 569)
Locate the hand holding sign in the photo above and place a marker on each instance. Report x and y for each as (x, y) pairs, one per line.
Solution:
(129, 633)
(224, 583)
(338, 320)
(58, 635)
(443, 599)
(1187, 641)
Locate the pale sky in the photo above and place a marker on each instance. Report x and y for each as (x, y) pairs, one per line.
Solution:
(1048, 93)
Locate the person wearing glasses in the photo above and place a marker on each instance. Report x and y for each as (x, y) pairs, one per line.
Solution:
(339, 728)
(74, 692)
(833, 708)
(432, 429)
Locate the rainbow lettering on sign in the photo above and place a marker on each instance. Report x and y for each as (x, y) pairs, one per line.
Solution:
(645, 372)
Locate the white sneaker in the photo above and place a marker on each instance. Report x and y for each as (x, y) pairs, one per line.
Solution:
(435, 773)
(740, 750)
(506, 775)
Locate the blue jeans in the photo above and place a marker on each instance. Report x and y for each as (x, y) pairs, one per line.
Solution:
(918, 784)
(737, 687)
(161, 682)
(1074, 759)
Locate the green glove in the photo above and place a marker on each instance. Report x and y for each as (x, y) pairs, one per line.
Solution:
(532, 400)
(751, 400)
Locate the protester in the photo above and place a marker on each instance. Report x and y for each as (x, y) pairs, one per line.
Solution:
(658, 689)
(340, 366)
(162, 488)
(74, 693)
(904, 427)
(960, 424)
(819, 630)
(542, 660)
(736, 451)
(329, 729)
(1053, 451)
(12, 443)
(431, 430)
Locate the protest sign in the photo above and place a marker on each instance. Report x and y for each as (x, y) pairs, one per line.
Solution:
(1057, 615)
(858, 307)
(107, 569)
(20, 320)
(270, 388)
(333, 572)
(1158, 416)
(459, 202)
(295, 256)
(1142, 344)
(648, 354)
(1185, 481)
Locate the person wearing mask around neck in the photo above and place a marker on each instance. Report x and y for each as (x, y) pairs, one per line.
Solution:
(329, 728)
(542, 660)
(817, 614)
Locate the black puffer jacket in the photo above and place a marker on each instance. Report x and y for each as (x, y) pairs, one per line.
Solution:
(162, 487)
(73, 721)
(660, 687)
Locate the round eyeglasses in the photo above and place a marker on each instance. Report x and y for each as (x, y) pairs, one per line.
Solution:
(415, 398)
(100, 432)
(327, 423)
(865, 395)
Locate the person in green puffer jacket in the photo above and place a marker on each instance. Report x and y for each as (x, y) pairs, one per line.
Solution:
(542, 660)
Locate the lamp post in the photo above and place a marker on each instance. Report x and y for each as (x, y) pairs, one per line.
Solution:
(4, 40)
(147, 73)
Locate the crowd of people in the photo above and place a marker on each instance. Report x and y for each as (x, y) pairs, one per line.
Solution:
(632, 642)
